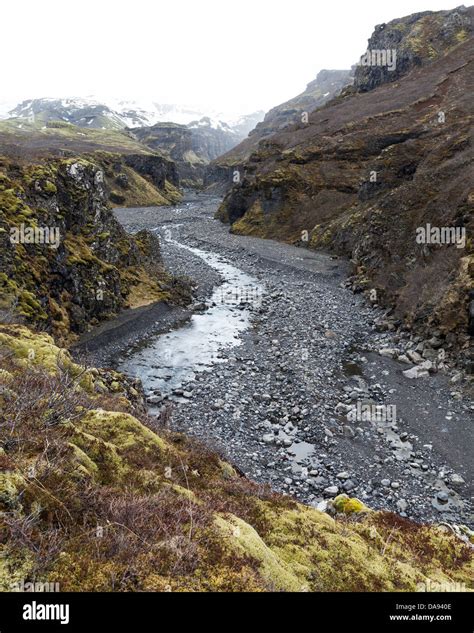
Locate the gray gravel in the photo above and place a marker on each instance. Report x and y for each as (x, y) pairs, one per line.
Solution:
(288, 405)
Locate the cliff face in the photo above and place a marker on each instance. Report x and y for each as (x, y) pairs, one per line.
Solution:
(191, 147)
(372, 167)
(65, 261)
(417, 40)
(328, 84)
(96, 496)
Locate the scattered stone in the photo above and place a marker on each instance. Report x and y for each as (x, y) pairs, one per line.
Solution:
(348, 431)
(388, 352)
(402, 505)
(414, 356)
(442, 497)
(349, 485)
(415, 372)
(456, 480)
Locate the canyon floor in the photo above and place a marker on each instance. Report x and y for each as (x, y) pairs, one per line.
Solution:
(292, 357)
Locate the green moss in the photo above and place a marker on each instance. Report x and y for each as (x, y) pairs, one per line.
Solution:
(122, 430)
(252, 222)
(13, 208)
(109, 466)
(346, 505)
(228, 472)
(15, 566)
(222, 213)
(80, 253)
(50, 187)
(84, 466)
(8, 291)
(36, 350)
(243, 539)
(462, 35)
(10, 485)
(30, 307)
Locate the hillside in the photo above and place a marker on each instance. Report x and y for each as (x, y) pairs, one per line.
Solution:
(65, 261)
(96, 496)
(134, 174)
(372, 166)
(328, 84)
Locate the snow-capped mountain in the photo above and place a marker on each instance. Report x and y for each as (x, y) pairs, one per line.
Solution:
(94, 112)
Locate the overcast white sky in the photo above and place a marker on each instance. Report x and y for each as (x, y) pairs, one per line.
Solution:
(230, 55)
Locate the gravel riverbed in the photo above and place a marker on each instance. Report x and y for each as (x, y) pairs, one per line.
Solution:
(304, 400)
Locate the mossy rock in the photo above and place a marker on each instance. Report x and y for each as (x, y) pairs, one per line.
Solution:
(31, 349)
(243, 539)
(123, 431)
(347, 505)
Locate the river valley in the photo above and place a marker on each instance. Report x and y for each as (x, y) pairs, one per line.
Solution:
(277, 366)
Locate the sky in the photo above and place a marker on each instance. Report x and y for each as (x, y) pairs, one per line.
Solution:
(235, 56)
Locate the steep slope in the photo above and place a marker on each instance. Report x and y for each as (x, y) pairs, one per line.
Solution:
(65, 261)
(328, 84)
(373, 167)
(96, 496)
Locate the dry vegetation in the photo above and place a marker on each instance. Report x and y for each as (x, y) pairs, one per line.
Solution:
(96, 495)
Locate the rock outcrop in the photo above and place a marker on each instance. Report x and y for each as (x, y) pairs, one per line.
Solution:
(417, 40)
(65, 261)
(192, 147)
(377, 168)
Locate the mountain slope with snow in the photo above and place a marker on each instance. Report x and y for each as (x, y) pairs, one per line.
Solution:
(118, 113)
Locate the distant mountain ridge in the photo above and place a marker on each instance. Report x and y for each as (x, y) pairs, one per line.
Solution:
(185, 135)
(109, 113)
